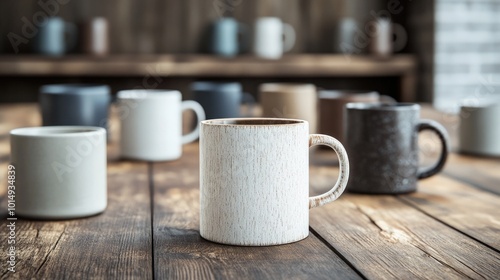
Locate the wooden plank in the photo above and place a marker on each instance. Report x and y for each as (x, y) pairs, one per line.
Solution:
(292, 65)
(115, 244)
(464, 208)
(180, 252)
(481, 172)
(385, 238)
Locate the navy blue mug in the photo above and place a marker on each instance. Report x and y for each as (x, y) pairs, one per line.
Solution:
(221, 100)
(75, 104)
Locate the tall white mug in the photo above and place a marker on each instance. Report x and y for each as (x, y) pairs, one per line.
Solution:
(254, 180)
(272, 37)
(151, 124)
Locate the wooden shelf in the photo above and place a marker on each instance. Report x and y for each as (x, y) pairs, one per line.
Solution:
(290, 66)
(205, 65)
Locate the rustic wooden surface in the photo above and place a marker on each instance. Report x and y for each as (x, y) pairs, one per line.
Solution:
(449, 229)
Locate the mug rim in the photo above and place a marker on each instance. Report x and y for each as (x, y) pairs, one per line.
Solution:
(362, 106)
(481, 105)
(341, 93)
(206, 86)
(56, 131)
(75, 88)
(252, 122)
(135, 94)
(285, 87)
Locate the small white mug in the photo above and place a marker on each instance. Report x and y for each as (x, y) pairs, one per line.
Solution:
(272, 37)
(151, 124)
(254, 180)
(480, 129)
(60, 171)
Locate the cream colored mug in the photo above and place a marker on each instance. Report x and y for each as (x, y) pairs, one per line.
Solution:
(254, 180)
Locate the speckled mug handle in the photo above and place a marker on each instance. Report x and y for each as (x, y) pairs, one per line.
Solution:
(339, 187)
(443, 137)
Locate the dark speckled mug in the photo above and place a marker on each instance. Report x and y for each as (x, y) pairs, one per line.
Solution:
(382, 144)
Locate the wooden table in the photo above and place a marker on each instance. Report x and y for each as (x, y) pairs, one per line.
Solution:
(449, 229)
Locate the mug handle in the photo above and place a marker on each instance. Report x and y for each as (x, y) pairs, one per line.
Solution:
(249, 100)
(443, 137)
(340, 185)
(200, 116)
(289, 37)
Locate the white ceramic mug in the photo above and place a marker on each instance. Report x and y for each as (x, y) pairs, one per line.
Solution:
(254, 180)
(60, 171)
(151, 124)
(272, 37)
(480, 129)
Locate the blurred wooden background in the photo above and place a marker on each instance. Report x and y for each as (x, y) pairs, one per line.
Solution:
(180, 26)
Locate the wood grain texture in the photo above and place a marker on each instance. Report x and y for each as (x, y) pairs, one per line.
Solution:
(481, 172)
(115, 244)
(292, 65)
(471, 211)
(180, 252)
(384, 238)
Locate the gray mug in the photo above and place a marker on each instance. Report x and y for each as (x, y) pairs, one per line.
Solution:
(75, 104)
(382, 143)
(221, 99)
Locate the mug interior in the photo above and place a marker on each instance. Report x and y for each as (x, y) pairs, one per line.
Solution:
(75, 89)
(52, 131)
(215, 86)
(253, 121)
(286, 87)
(147, 93)
(382, 106)
(334, 94)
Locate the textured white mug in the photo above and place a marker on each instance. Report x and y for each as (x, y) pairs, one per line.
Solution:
(60, 171)
(151, 124)
(272, 37)
(254, 180)
(480, 129)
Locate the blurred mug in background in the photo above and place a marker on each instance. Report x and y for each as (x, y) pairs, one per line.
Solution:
(291, 101)
(272, 37)
(221, 99)
(56, 37)
(95, 36)
(332, 104)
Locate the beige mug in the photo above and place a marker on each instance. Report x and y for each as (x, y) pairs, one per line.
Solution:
(254, 180)
(331, 108)
(291, 101)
